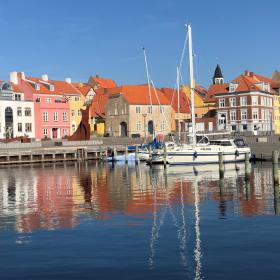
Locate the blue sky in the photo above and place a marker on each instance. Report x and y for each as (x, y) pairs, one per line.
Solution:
(81, 38)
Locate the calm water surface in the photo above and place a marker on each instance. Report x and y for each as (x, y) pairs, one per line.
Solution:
(98, 221)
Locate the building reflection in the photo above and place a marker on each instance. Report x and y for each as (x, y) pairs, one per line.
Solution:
(56, 196)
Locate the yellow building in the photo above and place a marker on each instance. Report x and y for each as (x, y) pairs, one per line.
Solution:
(201, 108)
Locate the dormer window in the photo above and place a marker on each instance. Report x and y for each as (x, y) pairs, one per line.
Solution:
(37, 86)
(232, 87)
(51, 87)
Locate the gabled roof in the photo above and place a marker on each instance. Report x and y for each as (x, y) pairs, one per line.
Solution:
(83, 88)
(97, 107)
(101, 82)
(139, 95)
(214, 90)
(172, 96)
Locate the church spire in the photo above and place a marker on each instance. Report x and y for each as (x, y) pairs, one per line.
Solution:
(218, 76)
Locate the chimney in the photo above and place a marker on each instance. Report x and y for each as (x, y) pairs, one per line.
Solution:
(251, 74)
(45, 77)
(68, 80)
(22, 75)
(246, 73)
(14, 77)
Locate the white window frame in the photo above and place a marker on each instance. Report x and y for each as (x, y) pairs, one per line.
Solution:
(45, 117)
(222, 103)
(243, 101)
(242, 115)
(55, 116)
(232, 101)
(138, 109)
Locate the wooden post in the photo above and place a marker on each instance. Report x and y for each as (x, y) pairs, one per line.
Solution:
(247, 167)
(126, 154)
(150, 155)
(114, 153)
(275, 157)
(164, 155)
(221, 165)
(136, 155)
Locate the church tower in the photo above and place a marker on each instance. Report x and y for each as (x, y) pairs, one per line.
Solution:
(218, 78)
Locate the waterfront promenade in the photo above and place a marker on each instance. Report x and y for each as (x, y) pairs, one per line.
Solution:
(55, 151)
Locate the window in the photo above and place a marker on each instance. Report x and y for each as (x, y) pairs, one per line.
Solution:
(138, 125)
(19, 127)
(270, 102)
(65, 131)
(27, 112)
(79, 113)
(28, 127)
(48, 100)
(255, 114)
(233, 127)
(243, 101)
(161, 109)
(150, 109)
(64, 116)
(243, 115)
(232, 102)
(77, 98)
(73, 113)
(17, 96)
(19, 111)
(51, 87)
(233, 115)
(244, 126)
(255, 100)
(45, 116)
(37, 86)
(38, 99)
(162, 125)
(138, 109)
(221, 102)
(73, 127)
(45, 132)
(55, 116)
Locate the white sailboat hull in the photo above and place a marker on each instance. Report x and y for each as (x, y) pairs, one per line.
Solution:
(202, 155)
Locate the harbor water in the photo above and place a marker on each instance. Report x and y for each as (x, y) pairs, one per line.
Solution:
(104, 221)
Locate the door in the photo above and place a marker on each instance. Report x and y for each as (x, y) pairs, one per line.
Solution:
(54, 133)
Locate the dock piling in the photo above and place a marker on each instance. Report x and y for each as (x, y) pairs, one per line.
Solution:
(164, 155)
(247, 167)
(136, 155)
(275, 158)
(126, 154)
(221, 165)
(150, 155)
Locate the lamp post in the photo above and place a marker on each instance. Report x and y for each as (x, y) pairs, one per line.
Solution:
(144, 116)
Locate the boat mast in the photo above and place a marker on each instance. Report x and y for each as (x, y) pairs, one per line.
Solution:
(149, 89)
(192, 84)
(178, 109)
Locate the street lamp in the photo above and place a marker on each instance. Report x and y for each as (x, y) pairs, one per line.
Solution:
(144, 116)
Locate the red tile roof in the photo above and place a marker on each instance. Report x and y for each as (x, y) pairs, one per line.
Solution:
(215, 89)
(139, 95)
(83, 88)
(102, 82)
(172, 96)
(97, 107)
(247, 82)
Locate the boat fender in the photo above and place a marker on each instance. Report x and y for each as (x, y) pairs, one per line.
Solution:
(237, 153)
(195, 154)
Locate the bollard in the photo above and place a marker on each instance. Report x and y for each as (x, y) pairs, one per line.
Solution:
(275, 157)
(247, 167)
(126, 154)
(164, 155)
(136, 155)
(221, 165)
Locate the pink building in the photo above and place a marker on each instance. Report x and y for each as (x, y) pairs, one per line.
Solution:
(51, 108)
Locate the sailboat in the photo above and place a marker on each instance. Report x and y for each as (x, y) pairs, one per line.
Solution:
(202, 151)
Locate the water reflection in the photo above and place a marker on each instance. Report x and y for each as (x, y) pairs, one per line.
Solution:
(59, 196)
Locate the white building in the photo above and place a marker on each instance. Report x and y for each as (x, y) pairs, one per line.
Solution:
(16, 113)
